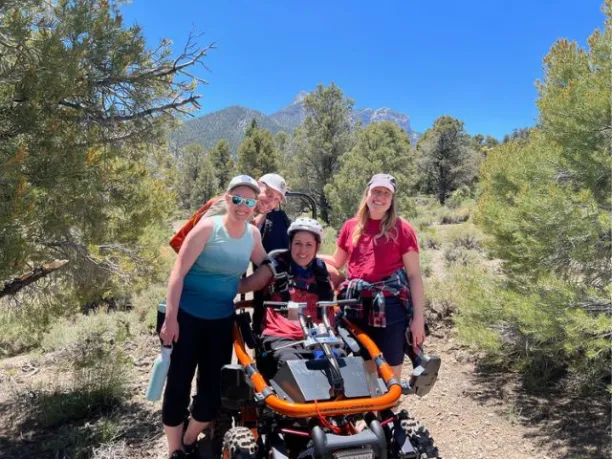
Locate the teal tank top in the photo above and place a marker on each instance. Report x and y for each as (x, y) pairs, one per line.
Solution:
(210, 286)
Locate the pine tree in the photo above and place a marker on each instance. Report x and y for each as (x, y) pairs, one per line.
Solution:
(545, 202)
(323, 138)
(193, 163)
(282, 141)
(83, 109)
(222, 162)
(447, 158)
(206, 185)
(380, 147)
(257, 154)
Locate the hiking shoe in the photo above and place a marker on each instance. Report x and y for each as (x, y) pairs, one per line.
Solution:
(190, 450)
(178, 454)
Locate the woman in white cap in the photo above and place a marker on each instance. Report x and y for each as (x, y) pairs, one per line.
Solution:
(272, 190)
(381, 252)
(200, 311)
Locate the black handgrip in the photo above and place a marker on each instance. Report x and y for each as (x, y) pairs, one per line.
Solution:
(275, 303)
(161, 317)
(347, 301)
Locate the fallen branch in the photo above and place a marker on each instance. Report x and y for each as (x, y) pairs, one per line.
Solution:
(13, 286)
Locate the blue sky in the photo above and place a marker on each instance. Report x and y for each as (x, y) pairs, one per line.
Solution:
(476, 60)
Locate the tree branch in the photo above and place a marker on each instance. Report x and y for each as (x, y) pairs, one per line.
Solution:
(164, 70)
(13, 286)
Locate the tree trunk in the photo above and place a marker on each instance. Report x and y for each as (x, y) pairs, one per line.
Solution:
(324, 208)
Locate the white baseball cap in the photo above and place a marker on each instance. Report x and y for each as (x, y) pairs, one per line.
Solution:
(276, 182)
(383, 180)
(243, 180)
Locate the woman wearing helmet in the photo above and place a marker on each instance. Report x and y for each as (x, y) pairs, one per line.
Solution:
(306, 281)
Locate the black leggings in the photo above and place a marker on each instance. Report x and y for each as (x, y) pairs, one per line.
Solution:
(206, 344)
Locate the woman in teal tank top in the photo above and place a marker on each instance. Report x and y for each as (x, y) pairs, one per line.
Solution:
(200, 312)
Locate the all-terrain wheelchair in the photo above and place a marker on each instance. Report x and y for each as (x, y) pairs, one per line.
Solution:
(326, 406)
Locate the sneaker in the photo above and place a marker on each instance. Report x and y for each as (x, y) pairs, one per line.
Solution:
(178, 454)
(190, 450)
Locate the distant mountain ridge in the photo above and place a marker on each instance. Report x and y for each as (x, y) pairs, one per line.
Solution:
(292, 115)
(231, 123)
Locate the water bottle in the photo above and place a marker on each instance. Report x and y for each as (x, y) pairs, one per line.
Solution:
(158, 375)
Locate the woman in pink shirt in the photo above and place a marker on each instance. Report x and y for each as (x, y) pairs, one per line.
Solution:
(381, 252)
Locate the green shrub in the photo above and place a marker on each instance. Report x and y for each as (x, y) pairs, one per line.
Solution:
(25, 318)
(545, 202)
(98, 327)
(144, 306)
(57, 405)
(454, 255)
(460, 197)
(425, 259)
(440, 301)
(422, 222)
(540, 329)
(94, 440)
(454, 216)
(428, 211)
(465, 236)
(406, 207)
(95, 366)
(480, 321)
(429, 240)
(330, 236)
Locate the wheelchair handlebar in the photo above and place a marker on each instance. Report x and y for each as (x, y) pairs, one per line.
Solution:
(283, 304)
(321, 304)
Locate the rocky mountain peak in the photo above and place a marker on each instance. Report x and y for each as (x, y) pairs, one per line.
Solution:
(299, 98)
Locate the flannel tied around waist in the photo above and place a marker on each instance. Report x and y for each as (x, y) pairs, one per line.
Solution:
(396, 285)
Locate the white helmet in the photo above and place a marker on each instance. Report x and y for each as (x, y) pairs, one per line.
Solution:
(306, 224)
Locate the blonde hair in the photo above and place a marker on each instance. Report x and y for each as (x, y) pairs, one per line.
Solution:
(387, 227)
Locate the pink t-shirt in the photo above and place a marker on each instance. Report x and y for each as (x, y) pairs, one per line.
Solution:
(373, 260)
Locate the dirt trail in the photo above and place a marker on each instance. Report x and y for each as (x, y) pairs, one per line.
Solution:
(472, 414)
(469, 414)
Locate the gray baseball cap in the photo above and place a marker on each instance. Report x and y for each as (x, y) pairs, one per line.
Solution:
(243, 180)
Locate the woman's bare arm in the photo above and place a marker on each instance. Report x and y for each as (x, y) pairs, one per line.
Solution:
(337, 260)
(413, 269)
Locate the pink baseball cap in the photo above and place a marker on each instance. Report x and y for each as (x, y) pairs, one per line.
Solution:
(383, 180)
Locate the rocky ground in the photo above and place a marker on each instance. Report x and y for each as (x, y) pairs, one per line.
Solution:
(469, 413)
